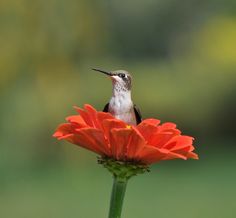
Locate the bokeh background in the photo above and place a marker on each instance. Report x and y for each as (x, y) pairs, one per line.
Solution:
(182, 55)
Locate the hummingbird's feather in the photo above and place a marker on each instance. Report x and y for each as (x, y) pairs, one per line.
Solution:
(137, 114)
(105, 109)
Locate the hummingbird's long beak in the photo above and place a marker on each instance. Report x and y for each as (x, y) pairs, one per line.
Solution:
(102, 71)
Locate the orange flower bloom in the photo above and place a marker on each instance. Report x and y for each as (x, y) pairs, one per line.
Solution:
(146, 143)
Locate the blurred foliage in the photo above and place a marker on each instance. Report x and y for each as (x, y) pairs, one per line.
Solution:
(182, 56)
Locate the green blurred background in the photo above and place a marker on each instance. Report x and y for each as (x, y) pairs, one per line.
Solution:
(182, 55)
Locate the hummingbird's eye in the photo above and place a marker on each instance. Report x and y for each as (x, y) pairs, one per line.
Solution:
(121, 75)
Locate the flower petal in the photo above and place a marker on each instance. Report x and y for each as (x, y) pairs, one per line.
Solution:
(182, 145)
(86, 117)
(157, 135)
(93, 115)
(147, 131)
(150, 154)
(160, 139)
(104, 116)
(192, 155)
(77, 120)
(178, 142)
(168, 125)
(63, 130)
(91, 139)
(108, 125)
(135, 145)
(150, 121)
(119, 140)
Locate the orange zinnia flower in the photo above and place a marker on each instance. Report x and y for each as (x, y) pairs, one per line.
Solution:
(146, 143)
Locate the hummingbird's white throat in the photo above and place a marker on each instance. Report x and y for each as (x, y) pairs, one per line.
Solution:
(121, 105)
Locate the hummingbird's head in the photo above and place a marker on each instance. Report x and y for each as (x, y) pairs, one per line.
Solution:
(121, 79)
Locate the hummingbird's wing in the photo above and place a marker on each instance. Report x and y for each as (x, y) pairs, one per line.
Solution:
(137, 114)
(105, 109)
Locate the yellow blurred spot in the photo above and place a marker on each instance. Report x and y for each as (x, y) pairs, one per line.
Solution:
(216, 41)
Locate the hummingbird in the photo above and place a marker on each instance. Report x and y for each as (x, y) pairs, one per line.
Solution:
(121, 105)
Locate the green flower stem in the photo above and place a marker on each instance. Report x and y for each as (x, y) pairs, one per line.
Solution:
(117, 197)
(122, 171)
